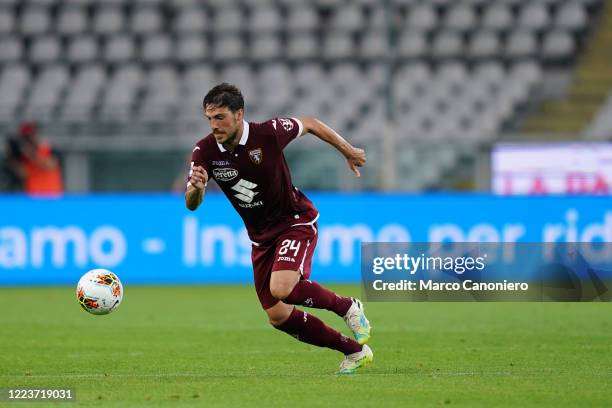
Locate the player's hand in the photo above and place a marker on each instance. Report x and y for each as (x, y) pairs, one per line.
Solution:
(199, 177)
(355, 157)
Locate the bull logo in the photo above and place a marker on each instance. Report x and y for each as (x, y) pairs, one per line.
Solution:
(256, 156)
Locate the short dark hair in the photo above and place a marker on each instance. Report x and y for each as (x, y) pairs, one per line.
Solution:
(224, 95)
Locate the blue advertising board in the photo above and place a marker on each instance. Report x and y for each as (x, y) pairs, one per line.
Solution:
(154, 239)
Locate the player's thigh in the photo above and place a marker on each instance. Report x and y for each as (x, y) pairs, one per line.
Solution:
(263, 260)
(292, 260)
(279, 313)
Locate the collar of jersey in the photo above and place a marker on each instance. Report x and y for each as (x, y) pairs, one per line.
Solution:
(243, 139)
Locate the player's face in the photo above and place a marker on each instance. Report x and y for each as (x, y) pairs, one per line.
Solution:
(224, 123)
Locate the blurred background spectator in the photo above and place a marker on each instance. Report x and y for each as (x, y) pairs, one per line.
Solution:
(12, 175)
(31, 165)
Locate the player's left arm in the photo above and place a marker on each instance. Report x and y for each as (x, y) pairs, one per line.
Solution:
(355, 157)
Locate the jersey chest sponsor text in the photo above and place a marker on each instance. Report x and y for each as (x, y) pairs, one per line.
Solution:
(225, 173)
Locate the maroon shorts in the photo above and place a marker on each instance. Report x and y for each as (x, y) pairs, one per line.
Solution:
(292, 251)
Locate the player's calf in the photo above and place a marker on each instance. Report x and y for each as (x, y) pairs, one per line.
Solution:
(279, 313)
(310, 329)
(311, 294)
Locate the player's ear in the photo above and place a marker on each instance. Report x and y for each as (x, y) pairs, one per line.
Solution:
(240, 115)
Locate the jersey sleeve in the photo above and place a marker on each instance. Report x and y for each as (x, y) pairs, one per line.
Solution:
(198, 159)
(285, 130)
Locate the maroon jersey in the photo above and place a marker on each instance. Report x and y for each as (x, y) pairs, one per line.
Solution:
(256, 179)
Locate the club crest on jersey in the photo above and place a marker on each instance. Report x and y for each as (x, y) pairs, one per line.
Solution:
(287, 124)
(225, 173)
(256, 155)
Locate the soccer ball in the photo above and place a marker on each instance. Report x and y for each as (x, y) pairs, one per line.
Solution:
(99, 291)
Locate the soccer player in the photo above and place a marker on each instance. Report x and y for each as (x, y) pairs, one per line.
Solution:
(247, 162)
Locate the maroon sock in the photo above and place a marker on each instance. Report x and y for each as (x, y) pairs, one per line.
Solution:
(311, 294)
(310, 329)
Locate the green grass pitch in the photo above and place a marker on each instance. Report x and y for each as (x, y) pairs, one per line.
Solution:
(211, 346)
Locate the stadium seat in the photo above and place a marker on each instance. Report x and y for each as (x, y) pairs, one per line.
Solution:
(11, 50)
(7, 21)
(378, 20)
(119, 49)
(489, 73)
(13, 82)
(199, 78)
(412, 45)
(82, 95)
(301, 46)
(34, 21)
(161, 94)
(452, 74)
(71, 21)
(46, 91)
(338, 45)
(374, 45)
(558, 46)
(497, 17)
(146, 20)
(108, 20)
(301, 17)
(533, 16)
(191, 20)
(243, 77)
(347, 18)
(306, 76)
(484, 45)
(265, 47)
(45, 49)
(82, 49)
(447, 45)
(156, 48)
(191, 48)
(265, 19)
(274, 88)
(119, 95)
(529, 72)
(228, 47)
(422, 18)
(460, 17)
(572, 17)
(227, 19)
(521, 45)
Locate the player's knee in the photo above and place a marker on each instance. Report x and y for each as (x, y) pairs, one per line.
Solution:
(280, 290)
(282, 283)
(279, 314)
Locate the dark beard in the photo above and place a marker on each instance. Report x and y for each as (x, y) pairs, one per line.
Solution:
(229, 143)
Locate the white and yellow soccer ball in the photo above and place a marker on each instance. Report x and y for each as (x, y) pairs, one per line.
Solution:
(99, 291)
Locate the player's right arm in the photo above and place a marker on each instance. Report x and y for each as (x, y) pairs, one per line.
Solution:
(196, 187)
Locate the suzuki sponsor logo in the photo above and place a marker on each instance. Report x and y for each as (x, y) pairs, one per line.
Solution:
(245, 190)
